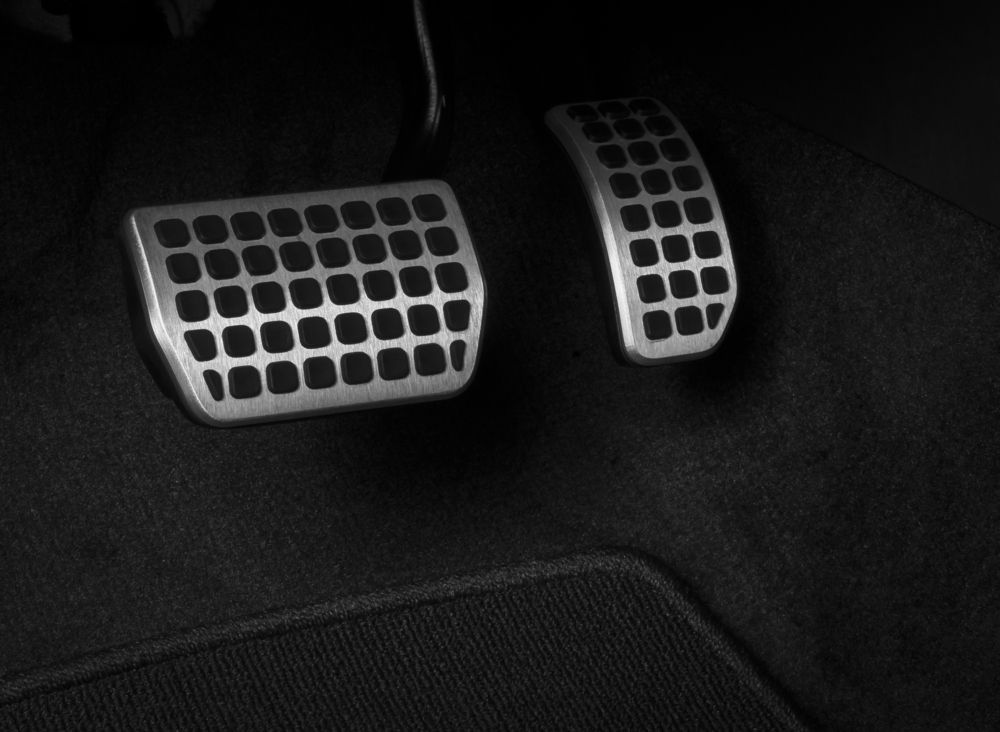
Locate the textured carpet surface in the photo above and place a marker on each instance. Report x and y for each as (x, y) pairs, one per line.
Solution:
(598, 641)
(825, 482)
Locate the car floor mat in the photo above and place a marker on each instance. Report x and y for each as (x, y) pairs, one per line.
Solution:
(597, 640)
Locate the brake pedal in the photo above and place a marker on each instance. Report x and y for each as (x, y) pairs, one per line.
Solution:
(664, 240)
(276, 307)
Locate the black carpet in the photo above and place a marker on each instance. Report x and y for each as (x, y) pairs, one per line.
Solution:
(825, 482)
(598, 641)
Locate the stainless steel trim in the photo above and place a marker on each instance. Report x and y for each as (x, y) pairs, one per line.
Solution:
(622, 272)
(157, 292)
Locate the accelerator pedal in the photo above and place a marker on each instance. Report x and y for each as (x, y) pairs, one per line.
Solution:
(661, 228)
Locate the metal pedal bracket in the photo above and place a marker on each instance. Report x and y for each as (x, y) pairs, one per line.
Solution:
(661, 228)
(278, 307)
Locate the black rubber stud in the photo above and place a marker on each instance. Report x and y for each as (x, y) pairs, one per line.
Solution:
(213, 380)
(351, 328)
(714, 280)
(661, 125)
(675, 248)
(221, 264)
(231, 301)
(387, 324)
(456, 315)
(629, 129)
(306, 293)
(415, 281)
(259, 260)
(238, 341)
(635, 218)
(651, 288)
(613, 110)
(405, 244)
(247, 226)
(667, 214)
(698, 210)
(314, 332)
(624, 185)
(343, 289)
(393, 211)
(192, 305)
(393, 364)
(369, 248)
(656, 182)
(441, 241)
(379, 285)
(457, 352)
(657, 325)
(210, 229)
(276, 337)
(643, 252)
(707, 244)
(244, 382)
(688, 178)
(451, 277)
(296, 256)
(597, 132)
(429, 207)
(642, 153)
(429, 359)
(333, 252)
(713, 313)
(183, 268)
(689, 320)
(611, 156)
(320, 372)
(356, 368)
(423, 320)
(674, 150)
(282, 377)
(683, 284)
(284, 222)
(268, 297)
(322, 218)
(202, 344)
(357, 215)
(172, 233)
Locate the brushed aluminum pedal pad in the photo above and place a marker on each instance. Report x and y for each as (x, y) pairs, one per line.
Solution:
(661, 228)
(278, 307)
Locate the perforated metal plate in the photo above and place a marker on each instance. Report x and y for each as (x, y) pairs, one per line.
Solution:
(286, 306)
(664, 239)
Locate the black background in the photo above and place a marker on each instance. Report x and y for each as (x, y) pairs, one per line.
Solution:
(824, 482)
(912, 87)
